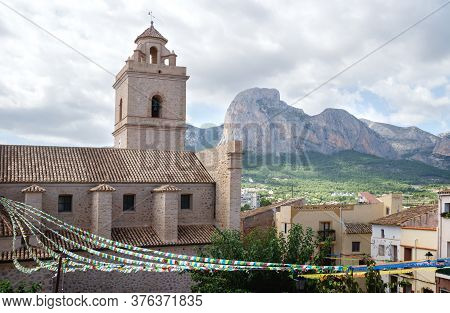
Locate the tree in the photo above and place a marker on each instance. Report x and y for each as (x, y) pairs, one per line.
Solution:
(300, 247)
(245, 207)
(265, 202)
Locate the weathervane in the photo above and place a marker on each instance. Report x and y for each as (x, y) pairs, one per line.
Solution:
(151, 17)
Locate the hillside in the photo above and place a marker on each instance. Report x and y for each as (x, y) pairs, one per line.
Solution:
(339, 177)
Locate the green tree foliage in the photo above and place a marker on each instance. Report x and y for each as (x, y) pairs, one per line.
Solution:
(300, 247)
(265, 202)
(6, 287)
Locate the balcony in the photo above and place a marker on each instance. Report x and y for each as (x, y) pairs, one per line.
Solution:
(325, 234)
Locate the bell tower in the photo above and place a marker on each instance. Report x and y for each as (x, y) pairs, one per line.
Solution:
(150, 104)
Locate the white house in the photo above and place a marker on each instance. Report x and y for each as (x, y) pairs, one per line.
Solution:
(444, 223)
(409, 235)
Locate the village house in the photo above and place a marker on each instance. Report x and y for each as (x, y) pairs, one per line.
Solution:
(409, 235)
(346, 224)
(145, 191)
(443, 276)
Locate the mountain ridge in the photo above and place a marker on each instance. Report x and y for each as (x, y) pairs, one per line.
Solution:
(268, 125)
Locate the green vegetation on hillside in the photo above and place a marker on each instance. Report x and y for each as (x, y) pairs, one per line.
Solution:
(338, 178)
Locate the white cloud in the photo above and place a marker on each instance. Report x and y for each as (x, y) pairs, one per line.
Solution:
(51, 95)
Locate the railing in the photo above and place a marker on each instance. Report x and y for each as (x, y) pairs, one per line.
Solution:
(325, 234)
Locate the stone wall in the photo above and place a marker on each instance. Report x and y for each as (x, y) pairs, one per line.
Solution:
(94, 281)
(224, 163)
(262, 220)
(202, 203)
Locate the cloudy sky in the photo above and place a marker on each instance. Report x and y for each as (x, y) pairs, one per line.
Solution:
(51, 95)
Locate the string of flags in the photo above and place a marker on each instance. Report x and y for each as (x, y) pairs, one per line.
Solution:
(103, 254)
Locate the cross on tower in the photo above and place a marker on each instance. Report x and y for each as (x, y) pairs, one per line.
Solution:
(151, 17)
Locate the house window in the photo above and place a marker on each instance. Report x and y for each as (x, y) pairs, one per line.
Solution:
(382, 233)
(407, 255)
(388, 210)
(356, 246)
(381, 250)
(285, 228)
(446, 207)
(65, 203)
(324, 226)
(186, 202)
(128, 202)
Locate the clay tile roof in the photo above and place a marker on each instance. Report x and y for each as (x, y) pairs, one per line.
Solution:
(147, 237)
(167, 188)
(23, 254)
(6, 229)
(404, 216)
(358, 228)
(34, 189)
(40, 164)
(151, 32)
(370, 198)
(270, 207)
(102, 188)
(444, 191)
(137, 236)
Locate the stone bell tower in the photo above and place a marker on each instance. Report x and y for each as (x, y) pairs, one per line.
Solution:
(150, 106)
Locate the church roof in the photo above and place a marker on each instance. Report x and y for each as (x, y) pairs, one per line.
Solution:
(151, 32)
(43, 164)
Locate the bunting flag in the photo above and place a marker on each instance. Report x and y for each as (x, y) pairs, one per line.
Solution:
(107, 255)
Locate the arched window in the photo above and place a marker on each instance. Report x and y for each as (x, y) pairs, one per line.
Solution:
(120, 110)
(156, 106)
(153, 55)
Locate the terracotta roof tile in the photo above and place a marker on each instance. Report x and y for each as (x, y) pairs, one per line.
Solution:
(40, 164)
(151, 32)
(444, 191)
(369, 198)
(167, 188)
(273, 206)
(102, 188)
(34, 189)
(404, 216)
(358, 228)
(136, 236)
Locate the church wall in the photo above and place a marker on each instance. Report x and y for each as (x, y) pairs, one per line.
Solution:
(224, 163)
(95, 281)
(202, 200)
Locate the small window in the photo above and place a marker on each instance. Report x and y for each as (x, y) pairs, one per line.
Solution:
(285, 228)
(156, 107)
(186, 202)
(382, 233)
(324, 226)
(120, 110)
(128, 202)
(446, 207)
(388, 210)
(356, 246)
(407, 255)
(65, 203)
(381, 250)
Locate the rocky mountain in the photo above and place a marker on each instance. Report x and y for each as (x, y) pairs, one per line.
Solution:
(197, 139)
(267, 125)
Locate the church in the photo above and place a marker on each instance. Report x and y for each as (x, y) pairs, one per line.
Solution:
(147, 190)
